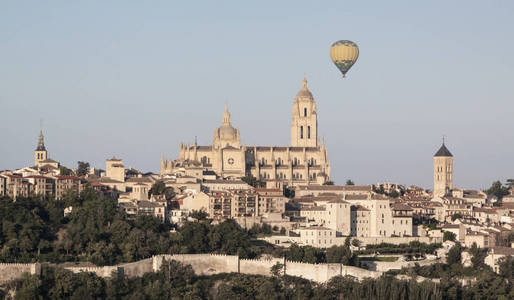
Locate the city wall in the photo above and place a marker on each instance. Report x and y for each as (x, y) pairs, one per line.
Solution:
(384, 266)
(10, 272)
(209, 264)
(398, 240)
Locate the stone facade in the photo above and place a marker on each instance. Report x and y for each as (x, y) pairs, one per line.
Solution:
(305, 161)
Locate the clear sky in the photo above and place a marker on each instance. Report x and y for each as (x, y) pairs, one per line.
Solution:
(135, 78)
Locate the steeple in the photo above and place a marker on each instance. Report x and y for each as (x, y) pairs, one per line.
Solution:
(304, 123)
(41, 142)
(226, 116)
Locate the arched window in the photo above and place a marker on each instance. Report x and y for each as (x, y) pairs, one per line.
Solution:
(301, 132)
(305, 112)
(308, 132)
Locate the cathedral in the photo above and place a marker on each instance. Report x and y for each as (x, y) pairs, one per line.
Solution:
(305, 161)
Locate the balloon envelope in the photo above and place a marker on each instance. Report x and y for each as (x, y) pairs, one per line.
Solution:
(344, 54)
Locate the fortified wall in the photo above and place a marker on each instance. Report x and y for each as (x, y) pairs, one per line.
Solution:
(10, 272)
(209, 264)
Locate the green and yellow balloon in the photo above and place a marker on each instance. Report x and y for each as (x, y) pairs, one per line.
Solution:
(344, 54)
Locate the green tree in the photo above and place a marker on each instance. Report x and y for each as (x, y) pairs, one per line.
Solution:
(330, 182)
(394, 194)
(200, 215)
(82, 168)
(456, 216)
(65, 171)
(277, 269)
(251, 180)
(506, 267)
(477, 256)
(449, 236)
(349, 182)
(497, 189)
(454, 255)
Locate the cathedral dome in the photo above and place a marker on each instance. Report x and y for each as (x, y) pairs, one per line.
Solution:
(227, 132)
(304, 91)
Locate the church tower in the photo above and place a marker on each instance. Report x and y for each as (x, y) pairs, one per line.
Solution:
(40, 153)
(304, 124)
(443, 171)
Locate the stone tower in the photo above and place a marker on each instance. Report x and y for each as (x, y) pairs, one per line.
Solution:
(40, 153)
(304, 123)
(443, 171)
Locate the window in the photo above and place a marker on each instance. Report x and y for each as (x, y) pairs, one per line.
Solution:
(305, 112)
(301, 132)
(308, 132)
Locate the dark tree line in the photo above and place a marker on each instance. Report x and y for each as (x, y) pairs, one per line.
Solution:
(33, 229)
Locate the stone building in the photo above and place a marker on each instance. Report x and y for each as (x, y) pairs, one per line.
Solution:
(443, 172)
(305, 161)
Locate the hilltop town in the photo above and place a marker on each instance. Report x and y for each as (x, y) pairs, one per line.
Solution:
(286, 194)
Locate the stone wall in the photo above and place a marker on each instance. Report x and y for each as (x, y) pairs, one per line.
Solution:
(209, 264)
(384, 266)
(137, 268)
(203, 264)
(10, 272)
(105, 271)
(398, 240)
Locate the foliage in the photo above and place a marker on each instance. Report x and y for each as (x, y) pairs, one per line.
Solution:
(65, 171)
(456, 216)
(277, 269)
(82, 168)
(160, 188)
(251, 180)
(412, 248)
(498, 189)
(449, 236)
(454, 255)
(349, 182)
(35, 230)
(330, 182)
(199, 215)
(478, 256)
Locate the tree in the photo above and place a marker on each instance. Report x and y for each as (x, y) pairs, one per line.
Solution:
(251, 180)
(454, 255)
(449, 236)
(356, 243)
(394, 194)
(330, 182)
(200, 215)
(456, 216)
(277, 269)
(506, 265)
(65, 171)
(82, 168)
(497, 189)
(160, 188)
(478, 256)
(349, 182)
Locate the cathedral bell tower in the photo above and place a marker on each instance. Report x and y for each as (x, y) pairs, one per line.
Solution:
(40, 153)
(304, 123)
(443, 171)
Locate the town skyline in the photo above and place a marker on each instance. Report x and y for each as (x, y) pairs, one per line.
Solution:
(101, 90)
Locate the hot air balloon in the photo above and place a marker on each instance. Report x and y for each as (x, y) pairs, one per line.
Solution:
(344, 54)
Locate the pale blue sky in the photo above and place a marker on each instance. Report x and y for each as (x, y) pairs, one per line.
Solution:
(134, 78)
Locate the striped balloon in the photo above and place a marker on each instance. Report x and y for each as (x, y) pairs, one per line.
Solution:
(344, 54)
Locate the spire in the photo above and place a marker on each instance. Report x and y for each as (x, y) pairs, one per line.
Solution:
(41, 142)
(304, 82)
(226, 116)
(443, 151)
